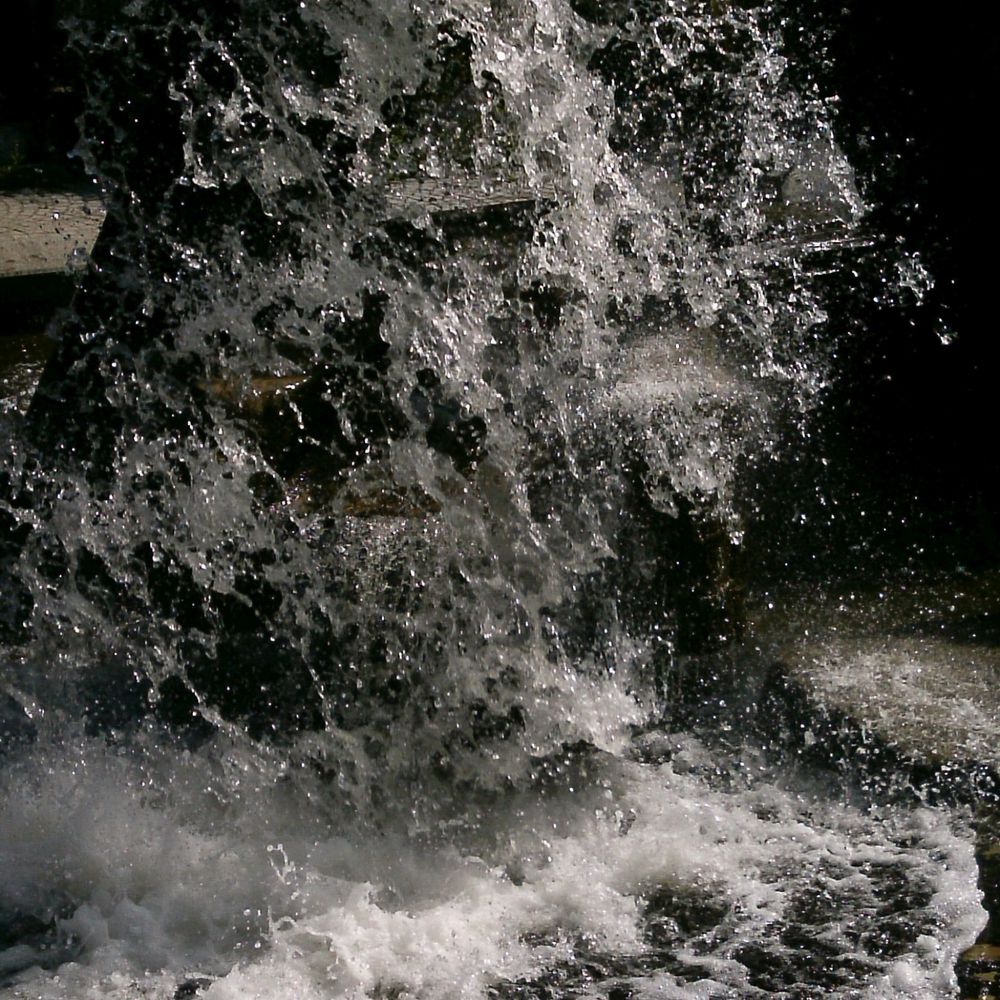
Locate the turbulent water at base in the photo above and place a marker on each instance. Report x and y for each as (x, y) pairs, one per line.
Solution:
(388, 478)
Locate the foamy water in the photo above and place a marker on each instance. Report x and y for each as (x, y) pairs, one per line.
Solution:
(158, 867)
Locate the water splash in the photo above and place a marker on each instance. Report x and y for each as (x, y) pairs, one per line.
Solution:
(410, 395)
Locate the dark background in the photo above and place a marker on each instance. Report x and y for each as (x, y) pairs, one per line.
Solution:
(908, 430)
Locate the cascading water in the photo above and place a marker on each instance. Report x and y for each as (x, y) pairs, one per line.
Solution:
(388, 473)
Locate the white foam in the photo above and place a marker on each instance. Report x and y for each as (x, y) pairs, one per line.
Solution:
(156, 883)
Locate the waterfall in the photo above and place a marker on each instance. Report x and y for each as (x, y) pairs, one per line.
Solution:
(386, 493)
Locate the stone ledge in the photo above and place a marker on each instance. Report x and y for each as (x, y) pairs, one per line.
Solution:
(43, 233)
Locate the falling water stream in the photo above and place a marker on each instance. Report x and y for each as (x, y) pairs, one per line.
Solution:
(377, 525)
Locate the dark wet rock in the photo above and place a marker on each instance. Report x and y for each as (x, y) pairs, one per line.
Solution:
(676, 913)
(620, 993)
(978, 967)
(17, 927)
(176, 705)
(602, 11)
(191, 987)
(16, 729)
(587, 970)
(805, 967)
(29, 938)
(813, 949)
(978, 972)
(988, 859)
(22, 358)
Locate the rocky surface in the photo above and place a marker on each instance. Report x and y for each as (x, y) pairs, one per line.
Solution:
(917, 667)
(904, 684)
(46, 232)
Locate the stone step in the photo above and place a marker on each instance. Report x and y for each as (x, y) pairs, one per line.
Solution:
(917, 666)
(44, 232)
